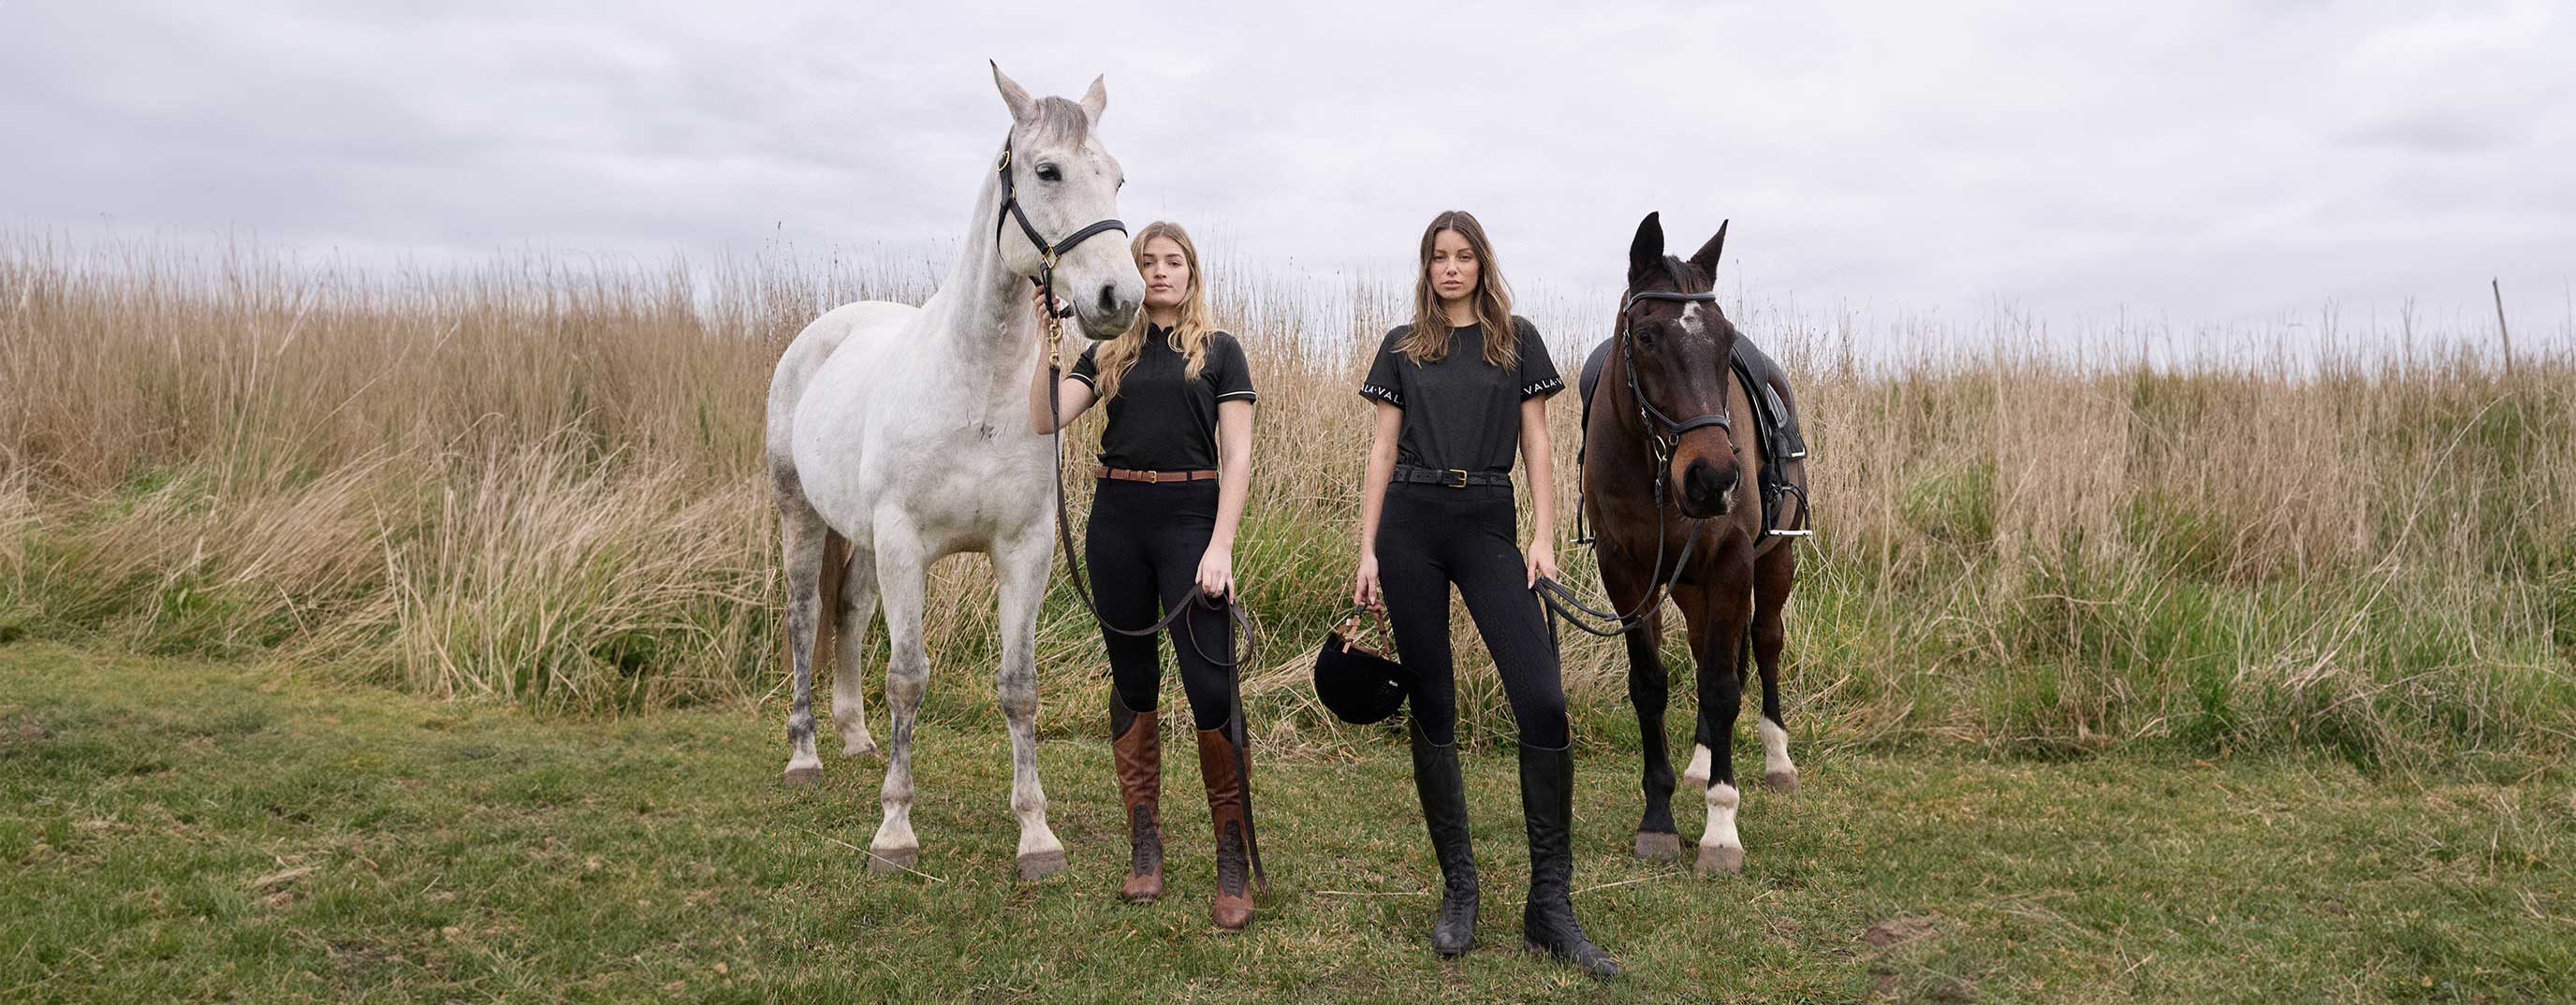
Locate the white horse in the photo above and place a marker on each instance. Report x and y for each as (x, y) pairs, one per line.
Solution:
(904, 432)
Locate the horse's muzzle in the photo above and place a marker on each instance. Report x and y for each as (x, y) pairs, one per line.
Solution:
(1708, 489)
(1108, 317)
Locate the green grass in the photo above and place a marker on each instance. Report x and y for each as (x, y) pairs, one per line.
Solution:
(189, 831)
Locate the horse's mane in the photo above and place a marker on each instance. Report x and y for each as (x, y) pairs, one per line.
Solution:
(1684, 275)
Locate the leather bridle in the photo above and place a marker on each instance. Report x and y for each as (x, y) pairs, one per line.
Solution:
(1663, 436)
(1048, 254)
(1663, 432)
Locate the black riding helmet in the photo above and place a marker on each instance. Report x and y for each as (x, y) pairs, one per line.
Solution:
(1358, 683)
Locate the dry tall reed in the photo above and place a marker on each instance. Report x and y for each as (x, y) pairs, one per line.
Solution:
(539, 480)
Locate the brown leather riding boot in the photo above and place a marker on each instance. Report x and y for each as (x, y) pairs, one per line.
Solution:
(1137, 737)
(1238, 856)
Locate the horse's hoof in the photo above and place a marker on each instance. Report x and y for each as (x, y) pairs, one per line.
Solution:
(804, 776)
(1038, 865)
(1654, 846)
(1720, 862)
(866, 749)
(889, 860)
(1780, 781)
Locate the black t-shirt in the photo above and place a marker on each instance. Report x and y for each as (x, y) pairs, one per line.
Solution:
(1461, 412)
(1161, 420)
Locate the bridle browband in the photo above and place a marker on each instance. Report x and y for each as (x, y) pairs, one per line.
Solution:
(1047, 253)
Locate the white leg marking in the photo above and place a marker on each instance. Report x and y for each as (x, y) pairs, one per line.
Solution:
(1719, 848)
(1696, 776)
(1775, 750)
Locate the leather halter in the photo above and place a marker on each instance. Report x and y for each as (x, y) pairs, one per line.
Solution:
(1047, 253)
(1663, 432)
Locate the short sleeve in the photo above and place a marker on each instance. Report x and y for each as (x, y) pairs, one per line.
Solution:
(1538, 369)
(1086, 369)
(1381, 384)
(1228, 370)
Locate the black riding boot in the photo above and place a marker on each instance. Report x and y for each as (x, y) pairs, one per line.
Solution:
(1444, 810)
(1547, 805)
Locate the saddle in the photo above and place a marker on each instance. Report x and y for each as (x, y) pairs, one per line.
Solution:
(1775, 426)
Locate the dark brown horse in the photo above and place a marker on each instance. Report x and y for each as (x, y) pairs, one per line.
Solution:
(1675, 484)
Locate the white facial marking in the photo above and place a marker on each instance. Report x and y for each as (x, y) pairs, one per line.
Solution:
(1690, 322)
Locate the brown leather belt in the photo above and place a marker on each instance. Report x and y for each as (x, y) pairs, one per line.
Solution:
(1153, 477)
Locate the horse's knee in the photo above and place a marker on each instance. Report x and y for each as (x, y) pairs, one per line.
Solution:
(1019, 703)
(907, 675)
(1649, 695)
(1725, 693)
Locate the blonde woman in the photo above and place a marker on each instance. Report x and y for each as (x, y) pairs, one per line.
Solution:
(1455, 392)
(1175, 463)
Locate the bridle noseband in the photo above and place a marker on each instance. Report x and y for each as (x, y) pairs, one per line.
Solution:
(1047, 253)
(1663, 432)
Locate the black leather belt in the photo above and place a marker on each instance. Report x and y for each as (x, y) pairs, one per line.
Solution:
(1453, 478)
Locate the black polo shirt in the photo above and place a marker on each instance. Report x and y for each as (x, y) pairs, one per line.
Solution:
(1461, 412)
(1161, 420)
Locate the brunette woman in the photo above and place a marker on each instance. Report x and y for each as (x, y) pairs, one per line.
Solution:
(1455, 392)
(1174, 466)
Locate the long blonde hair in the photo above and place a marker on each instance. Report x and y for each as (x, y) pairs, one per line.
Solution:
(1189, 332)
(1429, 340)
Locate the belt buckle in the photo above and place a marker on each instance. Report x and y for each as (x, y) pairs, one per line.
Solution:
(1153, 478)
(1460, 483)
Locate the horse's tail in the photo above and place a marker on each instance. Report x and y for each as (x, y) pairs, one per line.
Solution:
(827, 597)
(827, 607)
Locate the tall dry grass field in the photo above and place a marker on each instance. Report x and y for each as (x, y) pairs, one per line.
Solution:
(539, 480)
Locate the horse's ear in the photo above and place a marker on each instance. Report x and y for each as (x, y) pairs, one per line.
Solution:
(1095, 100)
(1647, 251)
(1707, 256)
(1022, 106)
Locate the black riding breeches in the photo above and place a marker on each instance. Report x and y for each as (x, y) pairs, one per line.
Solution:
(1144, 543)
(1430, 537)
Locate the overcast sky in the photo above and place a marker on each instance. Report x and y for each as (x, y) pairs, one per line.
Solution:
(2193, 161)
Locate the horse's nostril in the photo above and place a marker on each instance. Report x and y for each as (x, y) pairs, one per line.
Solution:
(1704, 481)
(1108, 297)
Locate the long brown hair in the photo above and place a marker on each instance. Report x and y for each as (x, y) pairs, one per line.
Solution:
(1429, 340)
(1189, 331)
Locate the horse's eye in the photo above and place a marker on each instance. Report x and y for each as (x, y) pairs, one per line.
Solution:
(1047, 172)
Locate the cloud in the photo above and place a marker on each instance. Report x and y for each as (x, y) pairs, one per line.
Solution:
(2194, 160)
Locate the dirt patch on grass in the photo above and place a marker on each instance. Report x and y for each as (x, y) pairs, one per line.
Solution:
(1900, 930)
